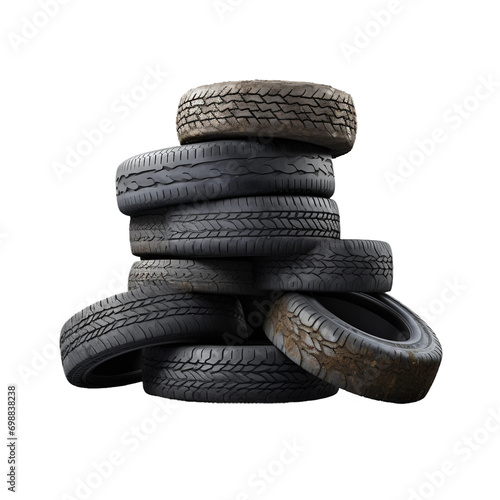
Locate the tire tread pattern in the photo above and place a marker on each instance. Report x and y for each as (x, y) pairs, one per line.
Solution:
(222, 169)
(332, 266)
(239, 227)
(318, 114)
(341, 354)
(236, 374)
(140, 317)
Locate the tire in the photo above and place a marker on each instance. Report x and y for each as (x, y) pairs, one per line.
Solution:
(236, 227)
(332, 266)
(101, 345)
(251, 373)
(326, 335)
(317, 114)
(231, 277)
(223, 169)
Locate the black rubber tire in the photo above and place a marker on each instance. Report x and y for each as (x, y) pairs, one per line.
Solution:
(236, 227)
(331, 266)
(308, 112)
(219, 276)
(101, 345)
(251, 373)
(327, 336)
(223, 169)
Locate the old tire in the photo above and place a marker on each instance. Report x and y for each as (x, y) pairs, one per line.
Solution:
(317, 114)
(370, 345)
(250, 373)
(331, 266)
(218, 276)
(236, 227)
(222, 169)
(101, 345)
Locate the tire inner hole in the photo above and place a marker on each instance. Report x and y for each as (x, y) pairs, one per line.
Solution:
(366, 316)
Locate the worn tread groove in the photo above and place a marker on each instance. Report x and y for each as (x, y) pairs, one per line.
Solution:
(331, 266)
(277, 109)
(202, 275)
(140, 317)
(251, 373)
(226, 169)
(400, 371)
(238, 227)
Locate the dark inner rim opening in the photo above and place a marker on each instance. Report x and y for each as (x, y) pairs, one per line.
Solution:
(369, 316)
(126, 366)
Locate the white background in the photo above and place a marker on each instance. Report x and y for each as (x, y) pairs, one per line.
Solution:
(64, 243)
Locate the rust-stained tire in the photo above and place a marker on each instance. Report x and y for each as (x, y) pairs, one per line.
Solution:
(368, 344)
(300, 111)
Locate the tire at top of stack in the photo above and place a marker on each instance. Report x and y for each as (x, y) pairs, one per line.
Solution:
(300, 111)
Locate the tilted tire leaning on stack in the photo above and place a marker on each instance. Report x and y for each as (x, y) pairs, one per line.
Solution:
(101, 345)
(370, 345)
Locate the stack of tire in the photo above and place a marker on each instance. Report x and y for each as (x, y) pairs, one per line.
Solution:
(245, 291)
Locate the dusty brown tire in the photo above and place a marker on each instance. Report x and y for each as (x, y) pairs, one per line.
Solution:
(307, 112)
(327, 336)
